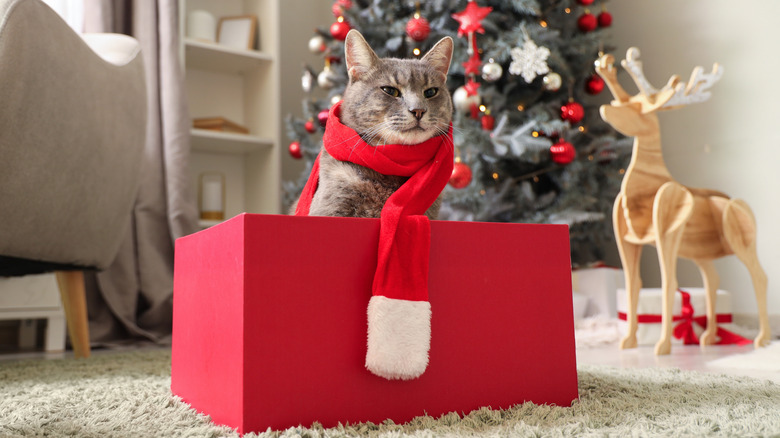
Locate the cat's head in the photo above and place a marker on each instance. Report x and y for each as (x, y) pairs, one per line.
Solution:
(396, 101)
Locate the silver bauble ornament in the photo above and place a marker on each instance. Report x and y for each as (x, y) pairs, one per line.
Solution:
(307, 79)
(462, 100)
(317, 44)
(492, 71)
(325, 79)
(552, 81)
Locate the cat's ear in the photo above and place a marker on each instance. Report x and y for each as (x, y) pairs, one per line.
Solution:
(440, 55)
(358, 55)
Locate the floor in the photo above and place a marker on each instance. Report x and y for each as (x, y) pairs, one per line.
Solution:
(685, 357)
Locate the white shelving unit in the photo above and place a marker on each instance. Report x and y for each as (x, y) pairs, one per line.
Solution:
(204, 140)
(209, 56)
(241, 85)
(33, 297)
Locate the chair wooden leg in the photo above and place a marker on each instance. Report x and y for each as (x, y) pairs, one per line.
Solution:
(74, 301)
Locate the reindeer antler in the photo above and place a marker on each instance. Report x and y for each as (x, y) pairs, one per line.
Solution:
(605, 69)
(674, 94)
(696, 91)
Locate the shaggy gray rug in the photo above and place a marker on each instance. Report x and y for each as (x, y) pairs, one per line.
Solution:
(127, 395)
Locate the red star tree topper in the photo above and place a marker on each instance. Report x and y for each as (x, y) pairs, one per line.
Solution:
(471, 90)
(471, 87)
(470, 19)
(473, 64)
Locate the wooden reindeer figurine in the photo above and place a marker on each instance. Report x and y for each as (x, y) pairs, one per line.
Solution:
(654, 209)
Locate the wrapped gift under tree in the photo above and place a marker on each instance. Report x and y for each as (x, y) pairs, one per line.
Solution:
(689, 319)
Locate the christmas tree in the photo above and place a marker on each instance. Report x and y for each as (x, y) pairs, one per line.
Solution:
(530, 144)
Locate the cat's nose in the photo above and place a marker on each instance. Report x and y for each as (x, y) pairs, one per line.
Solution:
(418, 113)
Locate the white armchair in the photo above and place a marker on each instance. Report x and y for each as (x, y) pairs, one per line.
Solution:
(72, 134)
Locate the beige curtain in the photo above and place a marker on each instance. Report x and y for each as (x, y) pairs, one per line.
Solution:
(133, 299)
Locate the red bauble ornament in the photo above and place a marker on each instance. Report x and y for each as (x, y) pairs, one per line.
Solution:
(488, 122)
(322, 117)
(587, 22)
(562, 152)
(594, 84)
(339, 30)
(309, 126)
(461, 175)
(418, 28)
(605, 19)
(585, 2)
(295, 150)
(572, 112)
(340, 6)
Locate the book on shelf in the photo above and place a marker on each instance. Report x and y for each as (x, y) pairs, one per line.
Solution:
(219, 124)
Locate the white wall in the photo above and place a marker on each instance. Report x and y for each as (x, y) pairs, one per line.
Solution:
(730, 143)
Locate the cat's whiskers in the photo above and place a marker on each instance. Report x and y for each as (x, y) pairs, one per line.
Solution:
(377, 131)
(367, 138)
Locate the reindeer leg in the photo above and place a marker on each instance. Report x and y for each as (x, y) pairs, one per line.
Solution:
(711, 283)
(672, 207)
(739, 229)
(630, 254)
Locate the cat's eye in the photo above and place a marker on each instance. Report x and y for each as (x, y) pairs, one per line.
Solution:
(392, 91)
(430, 92)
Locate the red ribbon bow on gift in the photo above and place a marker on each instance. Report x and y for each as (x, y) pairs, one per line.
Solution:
(684, 330)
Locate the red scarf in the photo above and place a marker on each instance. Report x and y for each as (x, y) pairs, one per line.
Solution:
(405, 233)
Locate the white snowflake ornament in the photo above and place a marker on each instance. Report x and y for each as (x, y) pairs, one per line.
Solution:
(529, 61)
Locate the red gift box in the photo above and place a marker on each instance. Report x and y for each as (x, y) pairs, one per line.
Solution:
(269, 324)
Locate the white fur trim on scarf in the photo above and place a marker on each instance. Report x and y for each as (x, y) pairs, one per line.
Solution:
(399, 337)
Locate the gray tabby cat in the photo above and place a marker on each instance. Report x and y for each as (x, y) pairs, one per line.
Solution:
(387, 101)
